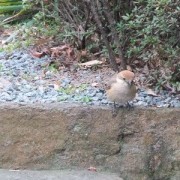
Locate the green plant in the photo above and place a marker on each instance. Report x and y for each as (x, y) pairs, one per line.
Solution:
(62, 98)
(1, 67)
(53, 68)
(70, 89)
(82, 87)
(75, 91)
(86, 99)
(151, 26)
(28, 32)
(150, 35)
(67, 90)
(11, 46)
(9, 6)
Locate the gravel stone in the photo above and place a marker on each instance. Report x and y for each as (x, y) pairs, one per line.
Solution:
(95, 98)
(27, 83)
(141, 103)
(104, 101)
(175, 104)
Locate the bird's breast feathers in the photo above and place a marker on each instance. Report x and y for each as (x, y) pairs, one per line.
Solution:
(121, 92)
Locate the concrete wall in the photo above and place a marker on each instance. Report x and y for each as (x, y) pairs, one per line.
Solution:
(143, 143)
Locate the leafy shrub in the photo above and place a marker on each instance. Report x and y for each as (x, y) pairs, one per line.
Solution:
(151, 30)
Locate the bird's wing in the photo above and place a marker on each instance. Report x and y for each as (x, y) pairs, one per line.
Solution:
(111, 81)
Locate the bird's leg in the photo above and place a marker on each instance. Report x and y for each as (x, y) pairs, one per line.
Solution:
(128, 106)
(114, 105)
(114, 110)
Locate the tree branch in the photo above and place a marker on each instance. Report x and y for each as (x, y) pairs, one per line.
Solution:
(112, 60)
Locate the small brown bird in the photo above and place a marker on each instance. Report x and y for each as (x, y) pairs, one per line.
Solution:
(121, 88)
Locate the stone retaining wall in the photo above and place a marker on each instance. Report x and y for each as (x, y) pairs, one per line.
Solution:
(143, 143)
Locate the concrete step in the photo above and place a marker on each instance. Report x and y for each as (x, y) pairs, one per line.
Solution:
(56, 175)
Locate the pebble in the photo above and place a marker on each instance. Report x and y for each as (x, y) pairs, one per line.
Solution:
(27, 83)
(95, 98)
(99, 95)
(175, 104)
(104, 101)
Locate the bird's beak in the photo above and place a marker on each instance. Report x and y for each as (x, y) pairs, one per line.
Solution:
(130, 82)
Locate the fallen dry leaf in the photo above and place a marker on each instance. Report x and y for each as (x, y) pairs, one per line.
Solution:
(151, 92)
(118, 60)
(45, 50)
(65, 50)
(60, 48)
(56, 87)
(145, 69)
(94, 84)
(129, 68)
(91, 63)
(70, 52)
(83, 53)
(36, 54)
(92, 169)
(55, 52)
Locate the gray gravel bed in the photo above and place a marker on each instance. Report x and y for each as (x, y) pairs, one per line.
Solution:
(24, 79)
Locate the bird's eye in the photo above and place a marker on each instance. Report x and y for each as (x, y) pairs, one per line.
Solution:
(124, 79)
